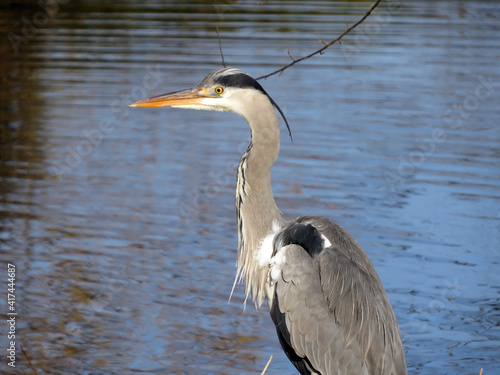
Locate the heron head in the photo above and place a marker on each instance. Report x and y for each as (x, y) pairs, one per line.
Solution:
(226, 89)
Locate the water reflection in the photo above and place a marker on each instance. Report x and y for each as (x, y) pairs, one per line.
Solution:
(122, 225)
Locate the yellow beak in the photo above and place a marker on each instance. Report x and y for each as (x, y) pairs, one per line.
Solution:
(175, 99)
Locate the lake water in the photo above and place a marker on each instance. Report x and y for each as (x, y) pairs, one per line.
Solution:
(121, 222)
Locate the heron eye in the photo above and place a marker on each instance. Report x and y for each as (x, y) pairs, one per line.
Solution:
(219, 90)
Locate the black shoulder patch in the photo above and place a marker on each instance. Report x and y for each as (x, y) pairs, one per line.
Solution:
(304, 235)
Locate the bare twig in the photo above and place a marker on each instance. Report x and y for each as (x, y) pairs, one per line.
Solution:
(220, 47)
(267, 365)
(28, 358)
(326, 45)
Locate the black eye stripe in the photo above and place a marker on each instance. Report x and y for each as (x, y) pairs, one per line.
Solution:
(239, 80)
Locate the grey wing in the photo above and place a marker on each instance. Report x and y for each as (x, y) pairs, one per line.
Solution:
(360, 307)
(333, 317)
(306, 323)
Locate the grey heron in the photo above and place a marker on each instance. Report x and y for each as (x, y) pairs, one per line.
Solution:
(330, 309)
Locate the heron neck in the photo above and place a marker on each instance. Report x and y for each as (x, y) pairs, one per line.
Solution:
(256, 209)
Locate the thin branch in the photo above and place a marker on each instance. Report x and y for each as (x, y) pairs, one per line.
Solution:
(220, 47)
(326, 45)
(28, 358)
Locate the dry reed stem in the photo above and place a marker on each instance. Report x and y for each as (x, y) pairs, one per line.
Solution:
(267, 365)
